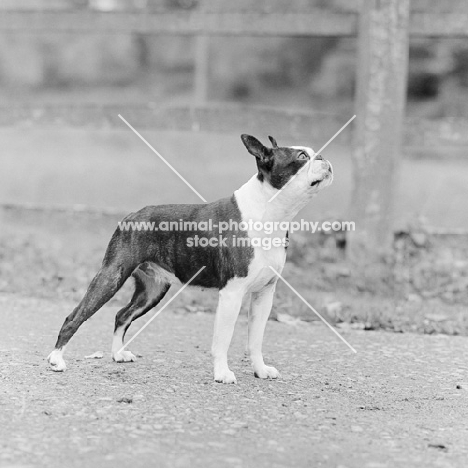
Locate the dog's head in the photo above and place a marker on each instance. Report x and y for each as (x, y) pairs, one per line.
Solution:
(297, 169)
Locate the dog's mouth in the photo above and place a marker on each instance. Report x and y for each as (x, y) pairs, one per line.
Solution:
(315, 183)
(328, 173)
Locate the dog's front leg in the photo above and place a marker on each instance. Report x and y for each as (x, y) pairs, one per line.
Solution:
(226, 315)
(260, 308)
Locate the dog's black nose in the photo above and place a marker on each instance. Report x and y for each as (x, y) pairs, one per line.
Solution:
(318, 157)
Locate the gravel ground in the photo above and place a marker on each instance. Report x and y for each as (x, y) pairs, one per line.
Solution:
(400, 401)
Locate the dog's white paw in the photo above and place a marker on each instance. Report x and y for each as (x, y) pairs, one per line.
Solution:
(225, 376)
(267, 372)
(124, 356)
(57, 364)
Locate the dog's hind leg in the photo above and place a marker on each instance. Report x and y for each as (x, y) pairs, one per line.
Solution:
(105, 284)
(149, 291)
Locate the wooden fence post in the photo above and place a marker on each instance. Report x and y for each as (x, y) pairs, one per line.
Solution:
(380, 105)
(202, 68)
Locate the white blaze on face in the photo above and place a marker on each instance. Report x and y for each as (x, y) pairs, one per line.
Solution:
(308, 150)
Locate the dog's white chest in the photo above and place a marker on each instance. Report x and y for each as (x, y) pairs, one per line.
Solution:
(275, 257)
(260, 269)
(254, 207)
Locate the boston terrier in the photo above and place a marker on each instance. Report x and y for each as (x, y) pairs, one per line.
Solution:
(237, 263)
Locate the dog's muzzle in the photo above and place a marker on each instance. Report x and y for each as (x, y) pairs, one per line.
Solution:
(326, 166)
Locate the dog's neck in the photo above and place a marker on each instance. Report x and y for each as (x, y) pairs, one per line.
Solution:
(253, 201)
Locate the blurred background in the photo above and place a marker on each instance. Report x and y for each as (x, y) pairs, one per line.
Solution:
(104, 167)
(49, 167)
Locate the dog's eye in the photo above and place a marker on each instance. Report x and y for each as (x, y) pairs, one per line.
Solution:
(303, 155)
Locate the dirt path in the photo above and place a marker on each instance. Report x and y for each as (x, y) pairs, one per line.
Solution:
(394, 404)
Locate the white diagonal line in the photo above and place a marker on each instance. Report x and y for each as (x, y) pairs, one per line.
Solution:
(161, 309)
(162, 159)
(336, 134)
(314, 311)
(318, 152)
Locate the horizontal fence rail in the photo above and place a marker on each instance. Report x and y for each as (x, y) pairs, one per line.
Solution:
(419, 134)
(216, 118)
(216, 6)
(318, 22)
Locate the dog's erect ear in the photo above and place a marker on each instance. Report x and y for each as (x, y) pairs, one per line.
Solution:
(273, 142)
(255, 147)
